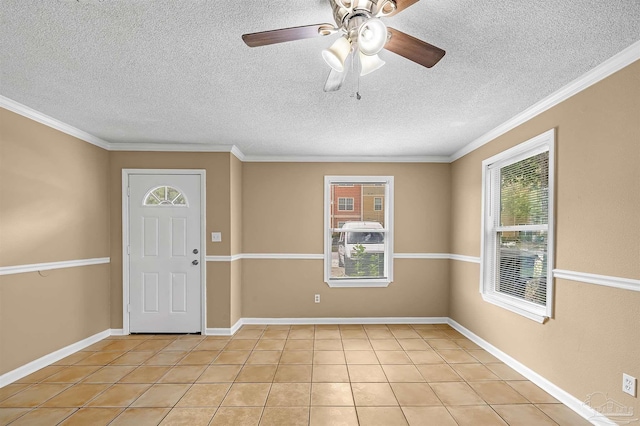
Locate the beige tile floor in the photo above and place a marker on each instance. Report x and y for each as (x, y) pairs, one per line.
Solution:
(284, 375)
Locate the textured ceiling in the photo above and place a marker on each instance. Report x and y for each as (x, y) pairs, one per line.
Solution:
(160, 71)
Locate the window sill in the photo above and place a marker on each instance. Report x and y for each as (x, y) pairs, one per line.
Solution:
(358, 283)
(516, 308)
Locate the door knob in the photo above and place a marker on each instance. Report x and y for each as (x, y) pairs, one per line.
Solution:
(195, 262)
(195, 251)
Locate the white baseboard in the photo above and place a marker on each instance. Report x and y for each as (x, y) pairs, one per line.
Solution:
(321, 321)
(48, 359)
(224, 331)
(561, 395)
(117, 332)
(355, 320)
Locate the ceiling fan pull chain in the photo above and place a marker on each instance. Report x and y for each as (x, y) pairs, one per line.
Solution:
(357, 72)
(355, 69)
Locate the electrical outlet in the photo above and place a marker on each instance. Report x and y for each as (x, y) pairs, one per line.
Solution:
(216, 237)
(317, 298)
(629, 384)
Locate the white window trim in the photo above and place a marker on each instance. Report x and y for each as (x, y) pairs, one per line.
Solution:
(541, 143)
(345, 204)
(382, 282)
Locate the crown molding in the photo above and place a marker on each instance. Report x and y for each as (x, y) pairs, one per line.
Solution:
(602, 71)
(25, 111)
(236, 151)
(172, 147)
(344, 159)
(177, 147)
(41, 118)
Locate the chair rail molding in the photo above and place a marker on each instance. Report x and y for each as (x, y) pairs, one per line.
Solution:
(37, 267)
(605, 280)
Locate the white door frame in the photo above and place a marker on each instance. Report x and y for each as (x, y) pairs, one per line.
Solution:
(125, 239)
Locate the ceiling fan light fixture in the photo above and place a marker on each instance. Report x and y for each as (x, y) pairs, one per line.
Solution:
(369, 63)
(372, 36)
(337, 53)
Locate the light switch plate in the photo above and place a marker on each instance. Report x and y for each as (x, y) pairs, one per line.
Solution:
(216, 237)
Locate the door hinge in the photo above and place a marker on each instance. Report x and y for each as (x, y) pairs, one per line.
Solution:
(129, 308)
(128, 191)
(128, 249)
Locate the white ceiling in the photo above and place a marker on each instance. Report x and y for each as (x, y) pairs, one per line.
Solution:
(168, 71)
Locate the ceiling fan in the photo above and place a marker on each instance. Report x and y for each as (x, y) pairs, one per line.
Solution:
(363, 36)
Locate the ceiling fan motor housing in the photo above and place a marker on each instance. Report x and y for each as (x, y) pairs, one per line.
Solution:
(345, 10)
(352, 16)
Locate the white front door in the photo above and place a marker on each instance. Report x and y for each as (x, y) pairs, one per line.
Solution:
(165, 260)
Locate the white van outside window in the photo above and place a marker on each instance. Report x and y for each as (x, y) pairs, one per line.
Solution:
(361, 249)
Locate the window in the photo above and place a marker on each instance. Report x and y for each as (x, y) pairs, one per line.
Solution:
(345, 204)
(164, 196)
(517, 248)
(358, 243)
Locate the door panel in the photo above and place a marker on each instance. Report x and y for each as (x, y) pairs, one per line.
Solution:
(150, 236)
(150, 292)
(179, 292)
(164, 230)
(178, 236)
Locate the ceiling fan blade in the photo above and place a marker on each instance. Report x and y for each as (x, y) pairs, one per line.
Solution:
(265, 38)
(334, 80)
(402, 5)
(413, 49)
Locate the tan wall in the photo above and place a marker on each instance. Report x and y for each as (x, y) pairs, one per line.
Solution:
(283, 213)
(286, 288)
(41, 314)
(235, 312)
(235, 195)
(594, 336)
(53, 195)
(54, 200)
(218, 194)
(219, 294)
(235, 296)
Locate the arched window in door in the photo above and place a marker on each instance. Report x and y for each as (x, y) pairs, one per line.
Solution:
(165, 196)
